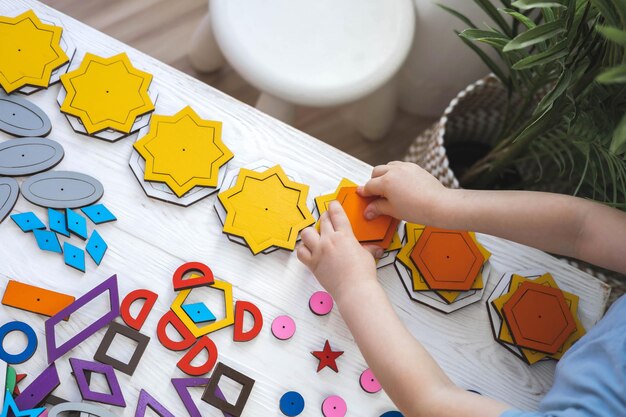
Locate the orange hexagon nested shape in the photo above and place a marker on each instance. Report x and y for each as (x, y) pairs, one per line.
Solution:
(354, 205)
(448, 259)
(539, 317)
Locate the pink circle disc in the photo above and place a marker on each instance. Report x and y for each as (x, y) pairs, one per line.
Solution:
(368, 382)
(334, 406)
(321, 303)
(283, 327)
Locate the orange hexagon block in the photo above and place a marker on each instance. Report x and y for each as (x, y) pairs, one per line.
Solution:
(539, 317)
(448, 259)
(379, 231)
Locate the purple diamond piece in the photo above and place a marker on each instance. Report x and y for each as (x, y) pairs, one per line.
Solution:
(80, 367)
(182, 384)
(39, 389)
(146, 400)
(54, 351)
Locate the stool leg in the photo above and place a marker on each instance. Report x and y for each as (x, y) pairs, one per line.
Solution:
(373, 115)
(276, 107)
(204, 53)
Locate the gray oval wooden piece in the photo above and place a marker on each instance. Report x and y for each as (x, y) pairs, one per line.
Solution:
(29, 156)
(9, 191)
(62, 189)
(20, 117)
(91, 409)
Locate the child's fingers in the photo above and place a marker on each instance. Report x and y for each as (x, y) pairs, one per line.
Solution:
(373, 187)
(375, 251)
(304, 254)
(379, 170)
(310, 238)
(338, 217)
(326, 226)
(377, 207)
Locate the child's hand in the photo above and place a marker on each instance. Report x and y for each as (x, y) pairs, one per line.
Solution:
(335, 257)
(405, 191)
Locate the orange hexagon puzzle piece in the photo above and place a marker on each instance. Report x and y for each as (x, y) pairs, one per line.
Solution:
(447, 259)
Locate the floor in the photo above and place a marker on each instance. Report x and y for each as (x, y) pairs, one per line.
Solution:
(160, 27)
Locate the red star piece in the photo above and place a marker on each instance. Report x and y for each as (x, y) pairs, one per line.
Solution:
(18, 378)
(327, 357)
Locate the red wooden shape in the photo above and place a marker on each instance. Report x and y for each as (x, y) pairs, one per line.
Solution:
(327, 357)
(240, 308)
(137, 322)
(188, 338)
(206, 277)
(184, 364)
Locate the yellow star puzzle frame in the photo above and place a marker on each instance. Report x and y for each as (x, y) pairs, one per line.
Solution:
(29, 51)
(107, 93)
(183, 151)
(229, 318)
(413, 233)
(533, 356)
(266, 209)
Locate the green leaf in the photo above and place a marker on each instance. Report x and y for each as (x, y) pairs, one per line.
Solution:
(532, 4)
(495, 39)
(486, 59)
(458, 15)
(613, 75)
(493, 13)
(549, 55)
(613, 34)
(607, 10)
(525, 20)
(535, 35)
(618, 142)
(557, 91)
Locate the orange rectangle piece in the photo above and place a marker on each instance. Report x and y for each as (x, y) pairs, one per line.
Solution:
(35, 299)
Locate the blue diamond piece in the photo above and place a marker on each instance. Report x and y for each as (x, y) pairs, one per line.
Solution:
(47, 240)
(98, 213)
(28, 221)
(74, 257)
(76, 223)
(57, 223)
(96, 246)
(198, 312)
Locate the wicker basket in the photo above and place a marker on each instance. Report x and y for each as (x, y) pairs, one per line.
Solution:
(475, 114)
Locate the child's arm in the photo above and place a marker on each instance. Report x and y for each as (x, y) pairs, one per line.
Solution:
(555, 223)
(409, 375)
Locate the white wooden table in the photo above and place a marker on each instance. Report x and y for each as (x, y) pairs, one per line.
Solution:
(152, 238)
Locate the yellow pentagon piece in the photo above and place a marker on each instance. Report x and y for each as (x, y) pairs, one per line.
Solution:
(413, 233)
(229, 318)
(29, 51)
(107, 93)
(266, 209)
(183, 151)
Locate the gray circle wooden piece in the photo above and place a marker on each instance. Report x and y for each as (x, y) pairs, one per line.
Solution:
(91, 409)
(9, 191)
(20, 117)
(29, 156)
(62, 189)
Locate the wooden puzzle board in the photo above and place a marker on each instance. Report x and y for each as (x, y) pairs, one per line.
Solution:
(151, 239)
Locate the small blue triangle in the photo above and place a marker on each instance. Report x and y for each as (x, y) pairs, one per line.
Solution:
(98, 213)
(74, 257)
(57, 223)
(198, 312)
(76, 223)
(47, 240)
(28, 221)
(96, 247)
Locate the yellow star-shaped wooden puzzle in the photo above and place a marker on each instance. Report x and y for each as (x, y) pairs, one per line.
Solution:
(29, 51)
(266, 209)
(183, 151)
(107, 93)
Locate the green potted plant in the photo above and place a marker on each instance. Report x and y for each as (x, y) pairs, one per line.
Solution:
(552, 116)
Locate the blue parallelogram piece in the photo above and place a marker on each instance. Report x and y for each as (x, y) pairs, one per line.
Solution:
(47, 240)
(76, 223)
(28, 221)
(198, 312)
(96, 247)
(98, 213)
(74, 257)
(57, 222)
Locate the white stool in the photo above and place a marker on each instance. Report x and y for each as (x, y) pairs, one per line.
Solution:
(312, 53)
